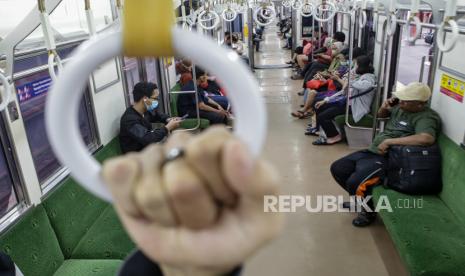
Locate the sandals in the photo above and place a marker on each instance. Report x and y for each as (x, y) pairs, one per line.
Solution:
(301, 114)
(312, 131)
(323, 142)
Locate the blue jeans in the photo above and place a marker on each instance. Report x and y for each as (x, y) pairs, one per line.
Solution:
(221, 100)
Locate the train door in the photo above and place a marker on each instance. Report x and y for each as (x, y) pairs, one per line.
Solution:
(413, 62)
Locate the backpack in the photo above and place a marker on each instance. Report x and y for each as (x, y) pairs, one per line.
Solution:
(415, 170)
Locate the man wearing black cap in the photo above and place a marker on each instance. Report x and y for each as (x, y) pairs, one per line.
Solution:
(136, 131)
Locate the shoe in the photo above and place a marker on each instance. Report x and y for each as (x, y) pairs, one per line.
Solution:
(297, 77)
(363, 219)
(301, 104)
(312, 131)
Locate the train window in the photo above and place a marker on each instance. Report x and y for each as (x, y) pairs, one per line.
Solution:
(69, 17)
(150, 65)
(12, 13)
(414, 59)
(9, 182)
(132, 76)
(32, 91)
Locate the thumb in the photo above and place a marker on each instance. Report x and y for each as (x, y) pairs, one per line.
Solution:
(120, 175)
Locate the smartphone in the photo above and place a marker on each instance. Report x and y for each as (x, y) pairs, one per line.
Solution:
(184, 117)
(394, 102)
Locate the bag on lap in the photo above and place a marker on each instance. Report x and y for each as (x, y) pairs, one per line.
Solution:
(415, 170)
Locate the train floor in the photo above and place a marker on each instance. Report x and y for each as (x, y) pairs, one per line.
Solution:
(312, 243)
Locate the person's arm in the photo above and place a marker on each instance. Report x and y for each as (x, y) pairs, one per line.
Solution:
(143, 135)
(362, 85)
(212, 102)
(158, 117)
(426, 129)
(206, 107)
(386, 109)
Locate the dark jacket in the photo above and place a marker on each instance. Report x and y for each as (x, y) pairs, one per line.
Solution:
(136, 131)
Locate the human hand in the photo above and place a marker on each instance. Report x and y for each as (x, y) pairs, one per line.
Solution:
(384, 147)
(173, 124)
(390, 103)
(202, 213)
(319, 104)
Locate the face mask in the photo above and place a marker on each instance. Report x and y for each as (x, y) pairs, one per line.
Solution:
(153, 106)
(344, 63)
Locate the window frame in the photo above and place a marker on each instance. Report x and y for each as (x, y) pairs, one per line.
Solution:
(56, 178)
(14, 169)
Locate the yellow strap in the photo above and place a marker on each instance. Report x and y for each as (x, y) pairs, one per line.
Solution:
(147, 28)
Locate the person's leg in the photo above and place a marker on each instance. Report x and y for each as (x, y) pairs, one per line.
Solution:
(369, 171)
(302, 60)
(325, 118)
(221, 100)
(213, 117)
(308, 106)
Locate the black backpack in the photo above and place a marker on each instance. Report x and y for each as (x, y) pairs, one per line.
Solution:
(415, 170)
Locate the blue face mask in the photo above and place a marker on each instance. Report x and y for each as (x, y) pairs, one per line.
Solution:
(153, 106)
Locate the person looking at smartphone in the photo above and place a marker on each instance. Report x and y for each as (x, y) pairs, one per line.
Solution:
(411, 123)
(136, 131)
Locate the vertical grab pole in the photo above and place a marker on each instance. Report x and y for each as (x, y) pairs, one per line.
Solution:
(380, 81)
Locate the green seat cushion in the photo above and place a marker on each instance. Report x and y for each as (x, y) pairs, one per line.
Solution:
(453, 177)
(106, 239)
(32, 244)
(192, 123)
(112, 149)
(430, 239)
(72, 211)
(88, 268)
(366, 121)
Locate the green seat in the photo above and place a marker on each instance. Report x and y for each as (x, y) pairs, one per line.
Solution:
(106, 239)
(431, 238)
(188, 123)
(366, 121)
(71, 233)
(89, 268)
(33, 245)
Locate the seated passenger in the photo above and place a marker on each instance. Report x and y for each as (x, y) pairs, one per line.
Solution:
(411, 122)
(184, 66)
(208, 109)
(212, 91)
(323, 59)
(338, 66)
(136, 131)
(361, 97)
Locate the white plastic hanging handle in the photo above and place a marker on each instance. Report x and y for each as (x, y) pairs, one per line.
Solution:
(452, 41)
(269, 18)
(6, 95)
(272, 14)
(307, 10)
(414, 18)
(362, 20)
(287, 3)
(91, 22)
(52, 58)
(63, 100)
(449, 15)
(392, 24)
(391, 18)
(202, 21)
(332, 10)
(297, 5)
(232, 15)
